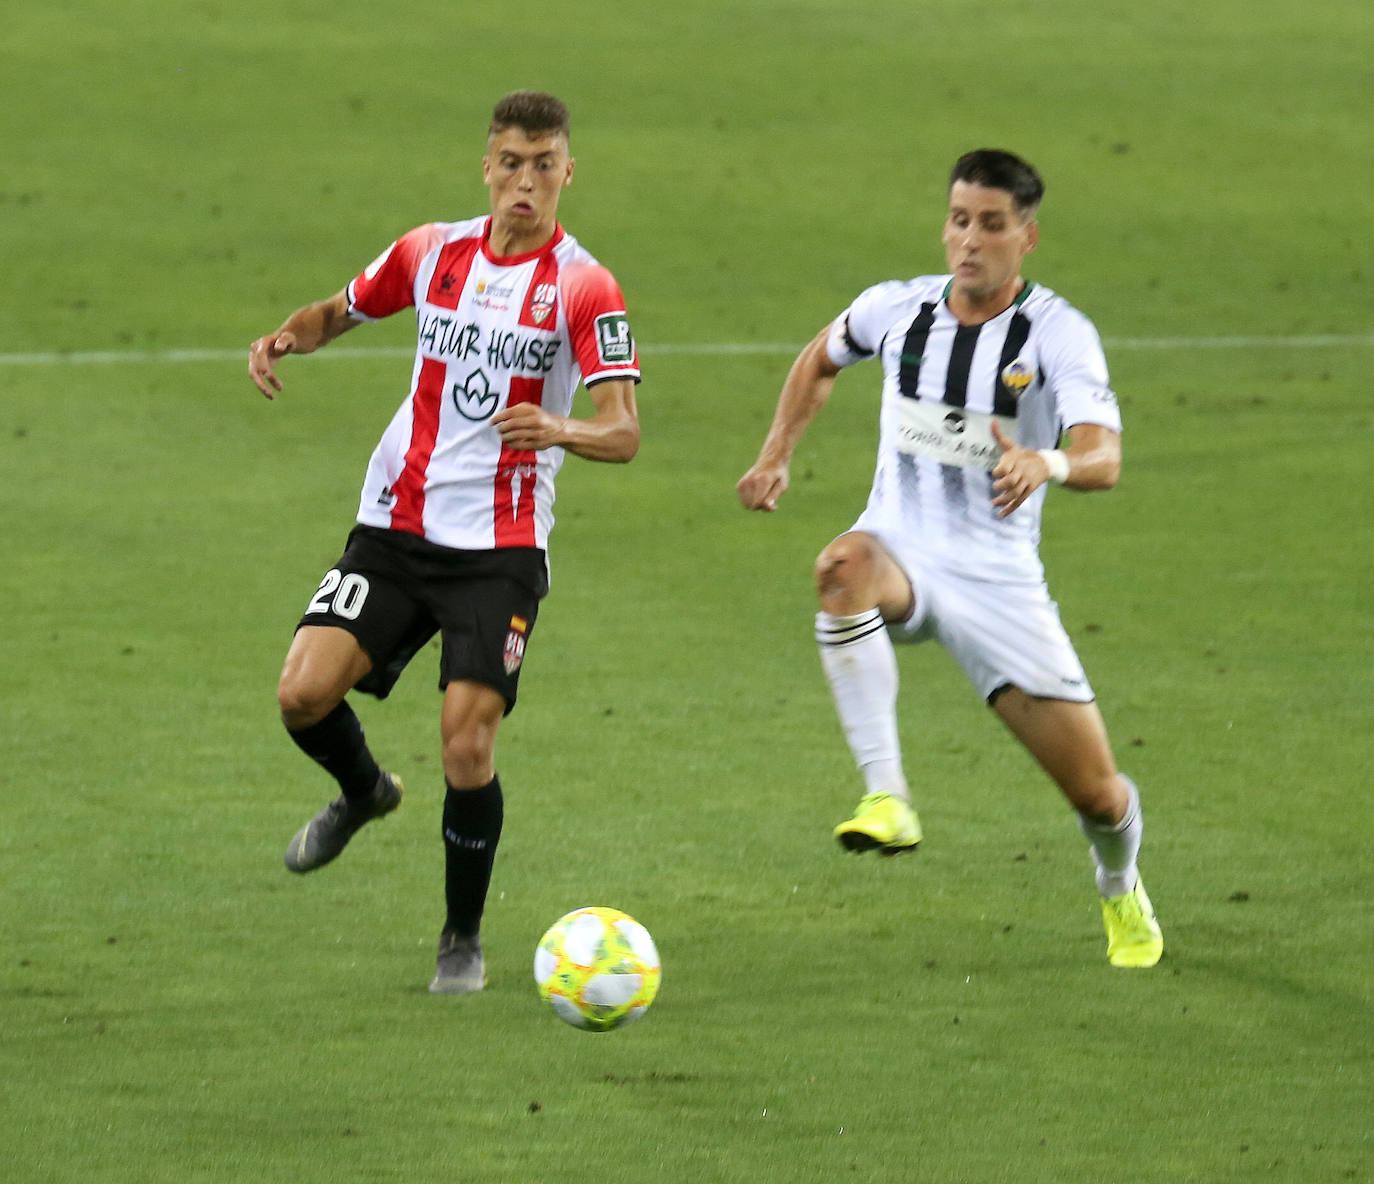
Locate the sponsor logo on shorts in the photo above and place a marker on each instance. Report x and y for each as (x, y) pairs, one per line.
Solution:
(515, 644)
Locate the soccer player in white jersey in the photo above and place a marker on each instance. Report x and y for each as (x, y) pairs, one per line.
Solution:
(453, 523)
(984, 374)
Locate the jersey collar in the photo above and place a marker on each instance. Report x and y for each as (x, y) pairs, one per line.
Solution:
(514, 260)
(1020, 296)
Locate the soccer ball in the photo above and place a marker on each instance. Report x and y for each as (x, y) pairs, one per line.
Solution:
(597, 968)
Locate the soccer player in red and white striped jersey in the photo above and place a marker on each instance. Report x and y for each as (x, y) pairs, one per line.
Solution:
(512, 315)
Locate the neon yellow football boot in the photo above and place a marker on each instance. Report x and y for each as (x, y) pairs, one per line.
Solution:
(882, 823)
(1133, 935)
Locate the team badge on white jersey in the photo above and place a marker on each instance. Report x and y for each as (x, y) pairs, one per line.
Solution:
(542, 301)
(1016, 377)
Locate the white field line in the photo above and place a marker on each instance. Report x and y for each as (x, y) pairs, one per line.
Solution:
(686, 349)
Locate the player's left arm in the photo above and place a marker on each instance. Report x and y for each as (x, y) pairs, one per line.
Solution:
(612, 434)
(1078, 383)
(1091, 461)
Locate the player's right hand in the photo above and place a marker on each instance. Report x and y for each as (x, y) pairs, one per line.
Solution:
(761, 486)
(262, 360)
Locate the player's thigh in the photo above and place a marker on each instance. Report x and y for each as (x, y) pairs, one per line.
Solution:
(1005, 635)
(372, 596)
(470, 719)
(486, 619)
(321, 666)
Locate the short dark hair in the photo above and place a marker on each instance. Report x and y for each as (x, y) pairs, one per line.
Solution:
(532, 111)
(995, 169)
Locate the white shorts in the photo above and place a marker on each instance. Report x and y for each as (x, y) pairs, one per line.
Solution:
(999, 634)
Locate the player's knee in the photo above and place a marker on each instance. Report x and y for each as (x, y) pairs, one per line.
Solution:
(303, 703)
(842, 564)
(1101, 798)
(845, 575)
(468, 758)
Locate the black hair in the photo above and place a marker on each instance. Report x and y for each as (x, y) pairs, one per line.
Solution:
(995, 169)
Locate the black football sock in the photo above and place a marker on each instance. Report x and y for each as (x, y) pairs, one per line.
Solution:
(337, 745)
(472, 829)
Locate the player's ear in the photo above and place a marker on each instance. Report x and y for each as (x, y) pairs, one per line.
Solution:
(1032, 237)
(567, 177)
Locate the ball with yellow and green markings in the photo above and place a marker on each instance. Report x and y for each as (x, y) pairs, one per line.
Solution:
(597, 968)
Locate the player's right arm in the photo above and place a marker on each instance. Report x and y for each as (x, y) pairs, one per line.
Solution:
(805, 391)
(303, 332)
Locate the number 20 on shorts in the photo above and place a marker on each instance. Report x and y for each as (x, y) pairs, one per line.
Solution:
(339, 594)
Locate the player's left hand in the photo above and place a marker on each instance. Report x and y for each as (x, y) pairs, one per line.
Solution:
(1019, 473)
(528, 427)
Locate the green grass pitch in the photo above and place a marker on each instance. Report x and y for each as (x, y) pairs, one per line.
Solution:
(175, 1007)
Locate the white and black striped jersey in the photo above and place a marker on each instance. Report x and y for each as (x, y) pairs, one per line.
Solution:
(1037, 368)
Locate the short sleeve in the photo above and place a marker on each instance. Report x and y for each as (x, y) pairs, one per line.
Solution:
(598, 324)
(387, 284)
(1075, 370)
(857, 333)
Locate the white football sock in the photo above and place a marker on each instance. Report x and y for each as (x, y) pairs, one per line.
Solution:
(1116, 847)
(861, 666)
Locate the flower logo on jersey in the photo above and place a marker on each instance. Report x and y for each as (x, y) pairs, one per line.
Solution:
(1016, 377)
(542, 301)
(473, 398)
(515, 643)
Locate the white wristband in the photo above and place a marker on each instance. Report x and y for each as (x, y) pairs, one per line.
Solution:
(1058, 464)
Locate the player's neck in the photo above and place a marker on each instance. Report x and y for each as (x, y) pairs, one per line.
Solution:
(977, 309)
(508, 241)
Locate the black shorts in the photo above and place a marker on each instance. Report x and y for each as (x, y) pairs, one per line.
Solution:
(393, 591)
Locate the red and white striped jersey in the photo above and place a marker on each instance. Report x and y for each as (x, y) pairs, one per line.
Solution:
(492, 332)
